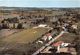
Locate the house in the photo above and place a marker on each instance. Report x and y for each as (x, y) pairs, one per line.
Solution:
(74, 26)
(53, 19)
(13, 25)
(49, 36)
(46, 37)
(57, 43)
(64, 48)
(67, 50)
(46, 50)
(42, 25)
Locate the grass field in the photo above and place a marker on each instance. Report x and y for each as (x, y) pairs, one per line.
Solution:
(67, 37)
(26, 36)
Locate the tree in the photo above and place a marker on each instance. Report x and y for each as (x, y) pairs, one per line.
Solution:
(4, 26)
(0, 27)
(19, 26)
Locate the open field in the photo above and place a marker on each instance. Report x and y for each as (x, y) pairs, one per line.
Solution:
(26, 36)
(67, 37)
(7, 32)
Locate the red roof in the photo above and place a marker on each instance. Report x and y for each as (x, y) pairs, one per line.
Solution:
(49, 34)
(57, 43)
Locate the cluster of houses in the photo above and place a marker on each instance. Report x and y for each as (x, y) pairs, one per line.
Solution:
(47, 37)
(27, 18)
(59, 48)
(68, 23)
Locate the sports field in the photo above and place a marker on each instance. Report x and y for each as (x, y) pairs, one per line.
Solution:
(26, 36)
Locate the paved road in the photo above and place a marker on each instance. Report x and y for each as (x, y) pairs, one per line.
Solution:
(39, 50)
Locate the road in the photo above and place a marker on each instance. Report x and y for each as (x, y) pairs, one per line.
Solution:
(43, 47)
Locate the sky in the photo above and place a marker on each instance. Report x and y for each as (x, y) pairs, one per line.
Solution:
(40, 3)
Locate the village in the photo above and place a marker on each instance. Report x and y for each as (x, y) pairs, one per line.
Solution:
(40, 31)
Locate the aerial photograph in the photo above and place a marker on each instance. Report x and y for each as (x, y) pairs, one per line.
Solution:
(39, 27)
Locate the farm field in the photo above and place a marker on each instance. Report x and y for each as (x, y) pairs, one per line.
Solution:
(7, 32)
(67, 37)
(26, 36)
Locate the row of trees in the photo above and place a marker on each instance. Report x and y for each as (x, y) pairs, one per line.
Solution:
(5, 26)
(11, 20)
